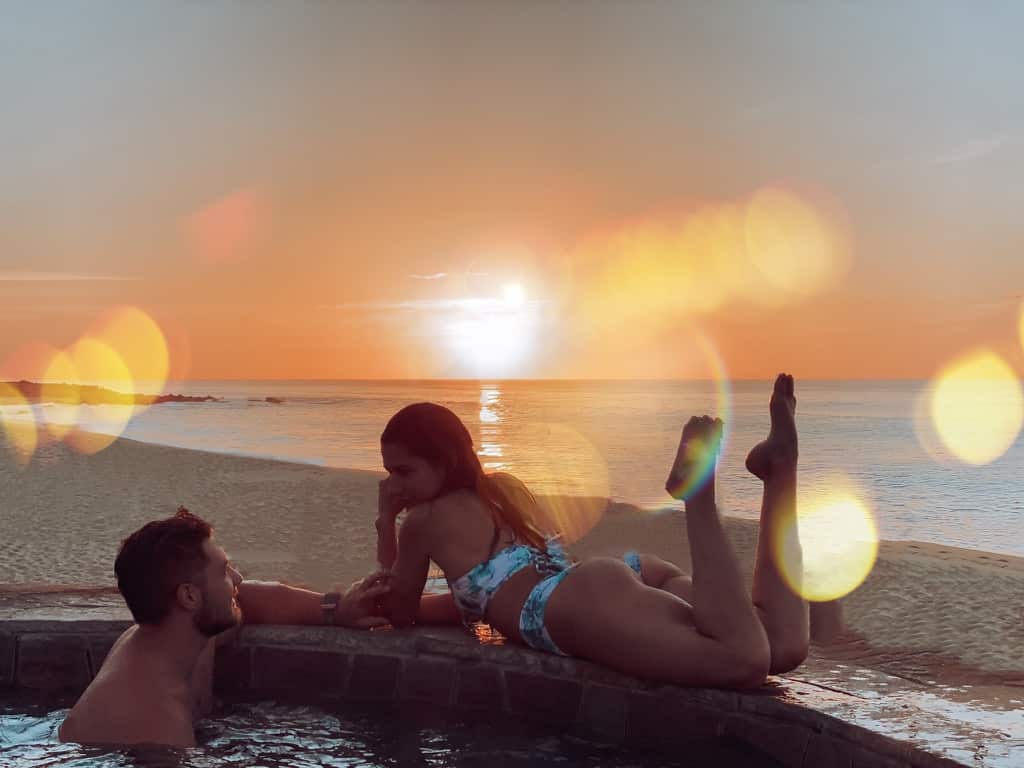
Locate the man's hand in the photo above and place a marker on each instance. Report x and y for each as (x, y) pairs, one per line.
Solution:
(360, 605)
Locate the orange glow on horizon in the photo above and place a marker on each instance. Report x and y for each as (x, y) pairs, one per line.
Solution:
(611, 302)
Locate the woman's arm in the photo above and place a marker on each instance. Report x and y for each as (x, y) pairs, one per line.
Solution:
(389, 506)
(410, 571)
(438, 609)
(387, 542)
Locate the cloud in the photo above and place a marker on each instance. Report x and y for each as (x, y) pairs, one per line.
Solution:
(974, 149)
(431, 305)
(21, 276)
(434, 276)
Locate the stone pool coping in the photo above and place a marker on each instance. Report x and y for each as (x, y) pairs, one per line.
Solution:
(795, 720)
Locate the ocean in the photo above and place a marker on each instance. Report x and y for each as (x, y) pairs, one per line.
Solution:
(618, 438)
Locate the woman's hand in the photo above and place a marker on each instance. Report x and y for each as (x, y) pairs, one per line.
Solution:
(389, 503)
(361, 605)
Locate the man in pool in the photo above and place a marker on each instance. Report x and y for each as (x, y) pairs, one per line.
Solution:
(187, 598)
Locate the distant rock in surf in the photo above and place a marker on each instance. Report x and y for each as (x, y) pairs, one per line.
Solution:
(90, 394)
(181, 398)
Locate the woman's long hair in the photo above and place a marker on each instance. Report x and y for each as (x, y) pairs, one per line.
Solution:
(438, 436)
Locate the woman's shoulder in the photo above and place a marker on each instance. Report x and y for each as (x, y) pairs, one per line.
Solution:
(456, 507)
(456, 501)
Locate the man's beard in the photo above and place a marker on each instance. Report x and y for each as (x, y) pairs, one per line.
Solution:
(210, 622)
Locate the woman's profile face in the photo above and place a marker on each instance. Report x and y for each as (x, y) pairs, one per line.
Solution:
(414, 479)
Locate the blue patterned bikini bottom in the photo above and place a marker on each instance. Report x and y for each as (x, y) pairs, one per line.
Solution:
(531, 620)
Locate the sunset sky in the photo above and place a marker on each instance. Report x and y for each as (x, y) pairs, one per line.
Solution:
(498, 189)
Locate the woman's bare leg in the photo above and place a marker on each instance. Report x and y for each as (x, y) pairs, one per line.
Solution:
(602, 612)
(719, 600)
(783, 613)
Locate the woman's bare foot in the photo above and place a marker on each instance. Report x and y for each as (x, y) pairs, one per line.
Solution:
(780, 449)
(693, 471)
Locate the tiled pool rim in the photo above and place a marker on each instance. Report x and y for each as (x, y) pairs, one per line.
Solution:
(448, 667)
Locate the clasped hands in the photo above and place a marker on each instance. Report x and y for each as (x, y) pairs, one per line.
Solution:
(362, 604)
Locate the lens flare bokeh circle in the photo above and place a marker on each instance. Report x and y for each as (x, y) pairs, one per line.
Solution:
(89, 391)
(97, 364)
(977, 407)
(924, 429)
(60, 395)
(18, 424)
(566, 472)
(139, 343)
(829, 549)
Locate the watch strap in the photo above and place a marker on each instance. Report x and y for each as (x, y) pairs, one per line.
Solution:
(329, 605)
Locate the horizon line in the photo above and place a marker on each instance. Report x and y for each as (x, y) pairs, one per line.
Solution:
(547, 378)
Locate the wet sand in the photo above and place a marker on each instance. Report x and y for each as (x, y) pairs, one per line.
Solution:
(926, 611)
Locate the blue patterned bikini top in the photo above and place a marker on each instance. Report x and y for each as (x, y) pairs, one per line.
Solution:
(474, 589)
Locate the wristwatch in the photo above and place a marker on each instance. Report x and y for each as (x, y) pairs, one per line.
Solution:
(329, 606)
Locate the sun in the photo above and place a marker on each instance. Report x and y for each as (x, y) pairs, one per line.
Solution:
(514, 294)
(492, 337)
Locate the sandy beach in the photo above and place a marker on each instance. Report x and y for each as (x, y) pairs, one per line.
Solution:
(926, 610)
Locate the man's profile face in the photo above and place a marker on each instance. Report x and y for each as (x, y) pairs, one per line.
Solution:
(220, 609)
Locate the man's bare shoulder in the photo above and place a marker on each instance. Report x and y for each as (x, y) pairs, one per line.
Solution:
(128, 704)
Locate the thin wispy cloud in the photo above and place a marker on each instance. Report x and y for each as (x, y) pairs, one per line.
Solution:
(440, 275)
(21, 276)
(434, 305)
(974, 149)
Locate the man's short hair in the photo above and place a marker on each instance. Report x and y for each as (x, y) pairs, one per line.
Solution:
(156, 559)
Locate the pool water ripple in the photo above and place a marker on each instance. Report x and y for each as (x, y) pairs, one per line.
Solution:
(274, 735)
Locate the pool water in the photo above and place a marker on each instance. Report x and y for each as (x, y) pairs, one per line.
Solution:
(270, 734)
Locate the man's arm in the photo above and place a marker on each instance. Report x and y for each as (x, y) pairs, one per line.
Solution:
(269, 602)
(273, 603)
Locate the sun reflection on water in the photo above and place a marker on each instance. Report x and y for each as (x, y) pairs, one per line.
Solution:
(490, 450)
